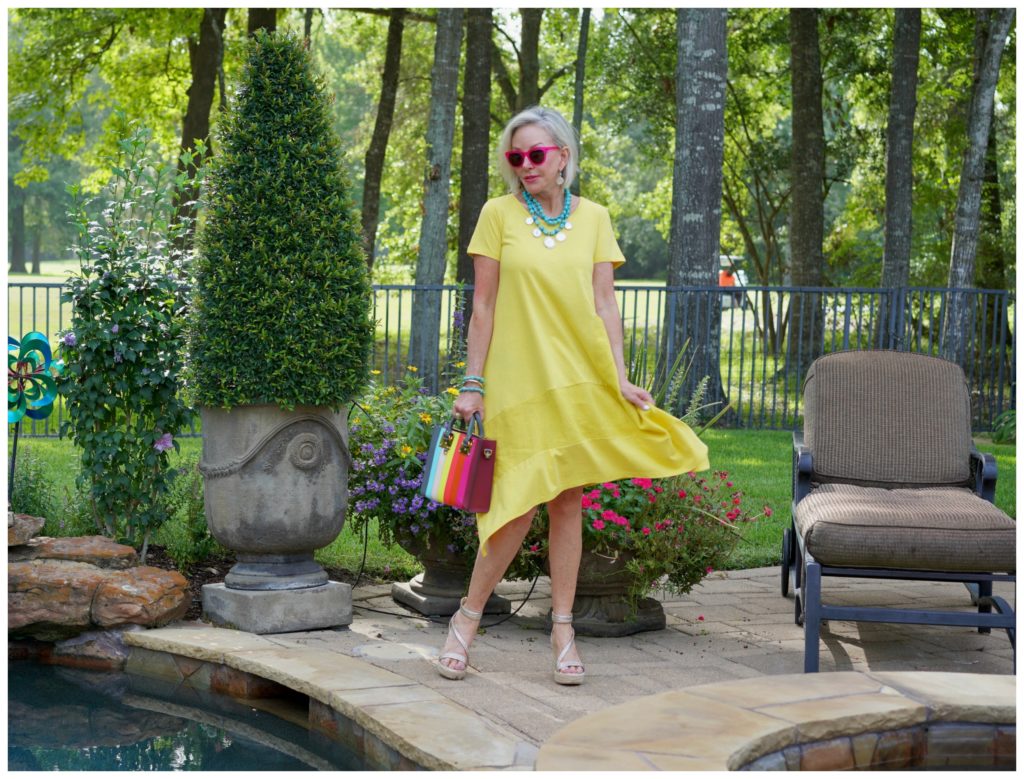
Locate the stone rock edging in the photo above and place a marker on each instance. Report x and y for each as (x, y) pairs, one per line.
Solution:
(58, 588)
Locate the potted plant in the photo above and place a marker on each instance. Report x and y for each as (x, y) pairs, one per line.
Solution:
(641, 535)
(390, 433)
(280, 342)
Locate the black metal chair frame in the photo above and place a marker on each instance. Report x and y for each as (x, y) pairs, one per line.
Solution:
(800, 569)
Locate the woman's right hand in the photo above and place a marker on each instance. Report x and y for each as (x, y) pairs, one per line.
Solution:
(467, 404)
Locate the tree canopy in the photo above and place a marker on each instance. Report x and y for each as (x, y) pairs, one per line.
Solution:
(70, 68)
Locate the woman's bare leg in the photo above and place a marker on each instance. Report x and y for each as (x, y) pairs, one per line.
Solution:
(502, 548)
(565, 547)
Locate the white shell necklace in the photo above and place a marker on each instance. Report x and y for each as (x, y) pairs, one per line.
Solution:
(551, 228)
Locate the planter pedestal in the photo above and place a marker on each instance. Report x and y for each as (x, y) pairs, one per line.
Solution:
(440, 588)
(601, 609)
(279, 611)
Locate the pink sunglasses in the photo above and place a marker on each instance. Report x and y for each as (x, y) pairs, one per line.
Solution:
(537, 155)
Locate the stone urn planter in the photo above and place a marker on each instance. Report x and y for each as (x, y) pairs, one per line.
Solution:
(441, 586)
(276, 490)
(601, 607)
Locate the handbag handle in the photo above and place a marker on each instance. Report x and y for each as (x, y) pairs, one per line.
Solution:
(476, 420)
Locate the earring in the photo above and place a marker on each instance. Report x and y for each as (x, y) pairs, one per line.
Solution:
(561, 178)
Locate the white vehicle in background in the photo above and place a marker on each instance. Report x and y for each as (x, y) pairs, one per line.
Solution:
(729, 275)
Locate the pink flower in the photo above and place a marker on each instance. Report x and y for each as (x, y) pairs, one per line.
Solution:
(646, 531)
(608, 514)
(609, 485)
(618, 519)
(700, 617)
(697, 498)
(535, 547)
(597, 524)
(643, 483)
(586, 502)
(652, 498)
(659, 490)
(735, 501)
(164, 442)
(594, 494)
(728, 484)
(767, 511)
(708, 570)
(682, 493)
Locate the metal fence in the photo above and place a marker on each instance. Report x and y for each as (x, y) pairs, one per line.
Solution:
(760, 339)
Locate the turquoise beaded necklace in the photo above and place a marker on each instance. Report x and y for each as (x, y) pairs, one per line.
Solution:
(552, 228)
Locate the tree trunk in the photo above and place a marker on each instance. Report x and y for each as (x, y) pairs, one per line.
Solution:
(701, 68)
(993, 27)
(381, 131)
(899, 174)
(16, 217)
(37, 249)
(807, 170)
(307, 22)
(529, 58)
(476, 141)
(430, 265)
(577, 103)
(261, 19)
(205, 56)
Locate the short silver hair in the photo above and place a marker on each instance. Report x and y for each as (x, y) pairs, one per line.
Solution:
(561, 133)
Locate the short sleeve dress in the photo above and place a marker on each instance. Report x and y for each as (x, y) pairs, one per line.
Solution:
(553, 402)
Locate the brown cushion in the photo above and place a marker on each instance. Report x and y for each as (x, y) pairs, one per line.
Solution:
(888, 419)
(935, 529)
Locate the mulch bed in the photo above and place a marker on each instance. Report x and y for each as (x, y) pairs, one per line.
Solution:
(214, 569)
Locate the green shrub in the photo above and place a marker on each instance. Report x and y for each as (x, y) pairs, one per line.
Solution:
(186, 536)
(32, 492)
(1004, 427)
(283, 295)
(123, 351)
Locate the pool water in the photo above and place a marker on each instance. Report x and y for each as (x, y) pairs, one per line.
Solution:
(63, 719)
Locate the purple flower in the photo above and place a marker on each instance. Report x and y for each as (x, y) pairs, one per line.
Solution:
(114, 329)
(164, 442)
(414, 529)
(457, 318)
(118, 357)
(70, 339)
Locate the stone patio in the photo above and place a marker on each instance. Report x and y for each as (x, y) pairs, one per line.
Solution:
(378, 671)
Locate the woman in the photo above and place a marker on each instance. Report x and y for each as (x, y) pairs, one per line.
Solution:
(544, 358)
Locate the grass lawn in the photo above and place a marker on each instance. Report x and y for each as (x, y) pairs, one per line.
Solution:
(757, 461)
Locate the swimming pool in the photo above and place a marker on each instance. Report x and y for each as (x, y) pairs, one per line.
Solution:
(65, 719)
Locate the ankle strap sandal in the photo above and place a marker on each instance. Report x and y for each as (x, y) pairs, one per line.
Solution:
(561, 677)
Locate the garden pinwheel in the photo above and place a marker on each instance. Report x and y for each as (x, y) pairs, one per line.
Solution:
(31, 378)
(31, 385)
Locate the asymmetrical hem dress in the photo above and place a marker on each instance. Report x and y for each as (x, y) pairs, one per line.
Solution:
(553, 402)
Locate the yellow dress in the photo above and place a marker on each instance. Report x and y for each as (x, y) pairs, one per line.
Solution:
(553, 402)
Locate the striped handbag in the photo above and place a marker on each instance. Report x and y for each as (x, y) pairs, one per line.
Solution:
(460, 467)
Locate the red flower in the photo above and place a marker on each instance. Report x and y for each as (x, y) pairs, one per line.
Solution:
(735, 501)
(767, 511)
(682, 493)
(646, 531)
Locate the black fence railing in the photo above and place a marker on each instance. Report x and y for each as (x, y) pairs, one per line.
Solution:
(757, 341)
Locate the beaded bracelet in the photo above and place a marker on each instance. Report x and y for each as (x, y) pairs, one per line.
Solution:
(478, 379)
(472, 389)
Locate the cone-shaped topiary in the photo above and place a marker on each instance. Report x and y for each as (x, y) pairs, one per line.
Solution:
(281, 314)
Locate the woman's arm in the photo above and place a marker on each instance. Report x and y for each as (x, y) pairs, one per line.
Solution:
(608, 309)
(485, 291)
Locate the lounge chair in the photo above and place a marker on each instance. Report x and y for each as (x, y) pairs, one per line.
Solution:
(887, 484)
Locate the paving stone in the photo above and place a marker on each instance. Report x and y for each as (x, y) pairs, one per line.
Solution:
(957, 696)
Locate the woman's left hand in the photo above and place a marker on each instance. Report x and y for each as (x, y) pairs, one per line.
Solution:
(638, 396)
